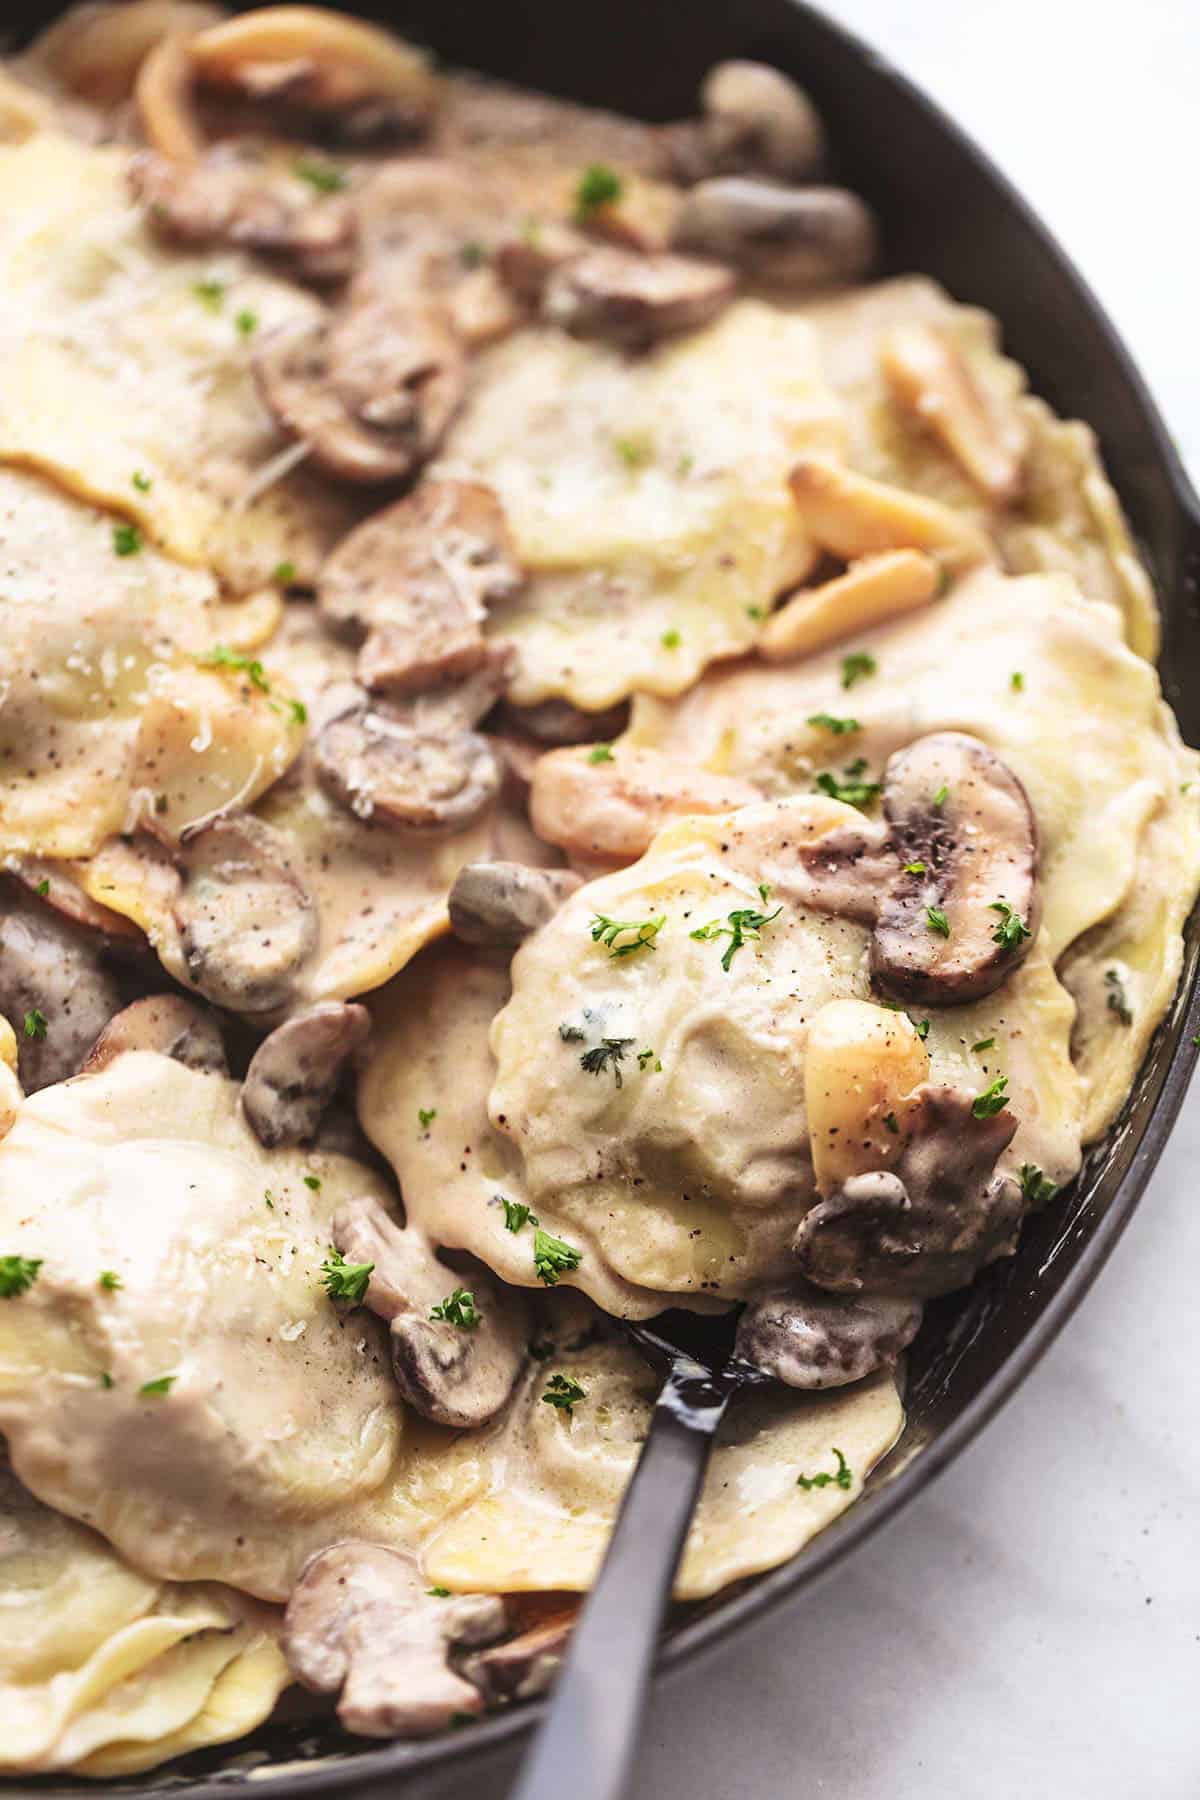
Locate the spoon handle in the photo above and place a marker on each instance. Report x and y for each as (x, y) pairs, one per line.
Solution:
(585, 1748)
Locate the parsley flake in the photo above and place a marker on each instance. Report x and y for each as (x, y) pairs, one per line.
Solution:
(516, 1215)
(106, 1380)
(841, 1476)
(1035, 1186)
(1012, 929)
(42, 889)
(1016, 681)
(992, 1100)
(127, 539)
(109, 1280)
(458, 1309)
(644, 1057)
(162, 1384)
(564, 1392)
(606, 931)
(852, 790)
(222, 657)
(343, 1280)
(141, 482)
(917, 868)
(937, 921)
(857, 666)
(671, 640)
(741, 927)
(313, 1182)
(983, 1044)
(892, 1123)
(598, 186)
(609, 1052)
(34, 1024)
(284, 573)
(942, 795)
(325, 177)
(601, 753)
(634, 451)
(17, 1275)
(472, 254)
(552, 1258)
(839, 727)
(1118, 1002)
(425, 1117)
(246, 322)
(438, 1593)
(210, 294)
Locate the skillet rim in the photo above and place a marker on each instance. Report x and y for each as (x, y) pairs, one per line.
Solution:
(1170, 1062)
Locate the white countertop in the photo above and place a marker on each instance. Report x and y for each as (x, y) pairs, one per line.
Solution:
(1031, 1625)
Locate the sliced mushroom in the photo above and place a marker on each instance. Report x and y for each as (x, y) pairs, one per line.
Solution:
(167, 1023)
(415, 581)
(54, 987)
(758, 120)
(812, 1340)
(358, 78)
(362, 1624)
(610, 809)
(524, 1666)
(930, 377)
(247, 923)
(453, 1374)
(500, 904)
(852, 516)
(634, 301)
(558, 722)
(872, 590)
(232, 195)
(961, 912)
(95, 51)
(526, 259)
(371, 392)
(797, 238)
(294, 1073)
(929, 1224)
(419, 780)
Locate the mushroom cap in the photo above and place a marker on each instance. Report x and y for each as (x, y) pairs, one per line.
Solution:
(50, 965)
(247, 923)
(758, 118)
(631, 300)
(967, 843)
(168, 1023)
(500, 904)
(793, 237)
(813, 1340)
(295, 1071)
(404, 776)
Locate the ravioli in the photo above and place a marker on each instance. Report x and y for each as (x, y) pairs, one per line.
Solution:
(645, 495)
(104, 1671)
(558, 1479)
(117, 708)
(126, 359)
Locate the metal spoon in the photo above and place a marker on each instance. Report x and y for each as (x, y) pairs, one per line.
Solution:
(585, 1748)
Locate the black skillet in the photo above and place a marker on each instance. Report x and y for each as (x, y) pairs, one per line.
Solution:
(948, 213)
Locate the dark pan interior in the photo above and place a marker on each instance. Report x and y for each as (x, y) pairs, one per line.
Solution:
(947, 212)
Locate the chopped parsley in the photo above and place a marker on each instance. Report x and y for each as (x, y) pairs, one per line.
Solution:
(34, 1024)
(516, 1215)
(608, 1053)
(852, 790)
(1016, 681)
(269, 1198)
(645, 1057)
(841, 1476)
(458, 1309)
(571, 1034)
(1117, 1000)
(17, 1275)
(606, 931)
(110, 1280)
(942, 795)
(313, 1182)
(324, 176)
(222, 657)
(162, 1384)
(601, 753)
(106, 1380)
(343, 1280)
(634, 451)
(42, 889)
(472, 254)
(671, 640)
(917, 868)
(992, 1100)
(564, 1392)
(127, 539)
(552, 1258)
(937, 921)
(284, 573)
(921, 1027)
(741, 927)
(754, 612)
(425, 1117)
(1035, 1186)
(598, 186)
(298, 711)
(246, 322)
(983, 1044)
(210, 294)
(1012, 929)
(141, 482)
(839, 727)
(857, 666)
(892, 1123)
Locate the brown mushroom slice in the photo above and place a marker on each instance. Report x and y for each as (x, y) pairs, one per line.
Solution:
(757, 119)
(932, 1221)
(354, 75)
(963, 907)
(371, 393)
(247, 924)
(558, 722)
(294, 1073)
(852, 516)
(499, 904)
(95, 51)
(796, 238)
(232, 195)
(611, 807)
(929, 375)
(525, 259)
(451, 1373)
(634, 301)
(415, 581)
(524, 1666)
(813, 1340)
(385, 771)
(54, 987)
(362, 1624)
(168, 1024)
